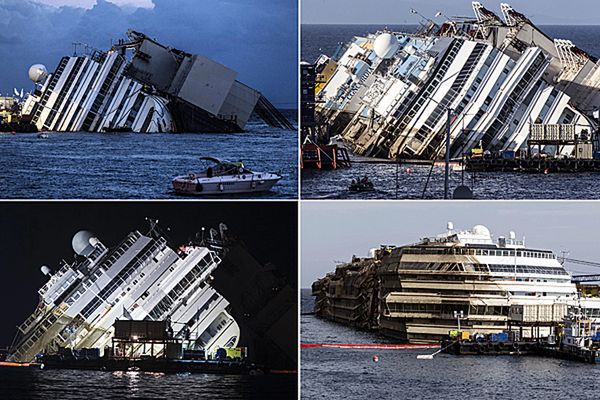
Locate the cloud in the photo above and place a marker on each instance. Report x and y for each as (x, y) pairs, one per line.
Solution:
(257, 38)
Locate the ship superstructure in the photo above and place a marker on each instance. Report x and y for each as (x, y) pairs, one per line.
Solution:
(140, 278)
(493, 83)
(141, 85)
(416, 292)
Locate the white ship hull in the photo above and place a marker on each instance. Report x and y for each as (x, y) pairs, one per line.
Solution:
(142, 278)
(232, 184)
(421, 286)
(388, 94)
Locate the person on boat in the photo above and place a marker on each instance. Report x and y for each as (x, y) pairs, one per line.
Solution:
(353, 182)
(209, 172)
(240, 166)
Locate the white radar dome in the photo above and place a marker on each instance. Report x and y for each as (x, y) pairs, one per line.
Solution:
(83, 243)
(385, 45)
(481, 230)
(37, 72)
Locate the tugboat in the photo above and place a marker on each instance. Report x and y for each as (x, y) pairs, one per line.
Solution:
(224, 177)
(361, 185)
(581, 338)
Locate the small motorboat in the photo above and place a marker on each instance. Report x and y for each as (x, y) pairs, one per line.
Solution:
(361, 185)
(224, 177)
(42, 135)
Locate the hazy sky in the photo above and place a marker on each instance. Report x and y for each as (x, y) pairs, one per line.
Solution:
(90, 3)
(573, 12)
(334, 231)
(256, 38)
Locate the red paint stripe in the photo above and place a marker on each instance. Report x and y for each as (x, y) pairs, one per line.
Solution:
(370, 346)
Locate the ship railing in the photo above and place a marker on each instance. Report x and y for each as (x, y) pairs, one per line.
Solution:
(138, 261)
(66, 267)
(63, 270)
(552, 132)
(500, 252)
(121, 249)
(33, 318)
(42, 327)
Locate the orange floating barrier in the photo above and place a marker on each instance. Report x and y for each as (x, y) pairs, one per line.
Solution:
(13, 364)
(370, 346)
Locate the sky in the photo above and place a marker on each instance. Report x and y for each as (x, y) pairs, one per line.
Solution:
(334, 231)
(40, 233)
(542, 12)
(256, 38)
(90, 3)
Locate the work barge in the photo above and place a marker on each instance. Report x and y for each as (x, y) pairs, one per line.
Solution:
(469, 293)
(492, 83)
(149, 346)
(576, 338)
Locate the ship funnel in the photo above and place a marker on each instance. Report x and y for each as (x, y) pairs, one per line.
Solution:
(46, 270)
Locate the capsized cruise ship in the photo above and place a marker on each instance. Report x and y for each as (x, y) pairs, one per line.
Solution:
(140, 278)
(141, 85)
(414, 292)
(388, 94)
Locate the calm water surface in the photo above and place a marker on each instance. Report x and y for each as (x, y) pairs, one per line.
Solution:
(132, 165)
(351, 374)
(412, 180)
(68, 385)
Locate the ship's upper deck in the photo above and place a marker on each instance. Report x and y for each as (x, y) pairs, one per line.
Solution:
(477, 241)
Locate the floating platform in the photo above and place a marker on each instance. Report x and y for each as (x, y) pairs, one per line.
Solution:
(532, 165)
(233, 367)
(370, 346)
(488, 348)
(324, 156)
(519, 348)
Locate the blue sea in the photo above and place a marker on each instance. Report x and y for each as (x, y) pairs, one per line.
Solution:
(325, 39)
(422, 182)
(348, 374)
(83, 165)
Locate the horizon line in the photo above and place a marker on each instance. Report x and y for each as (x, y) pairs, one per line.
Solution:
(413, 24)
